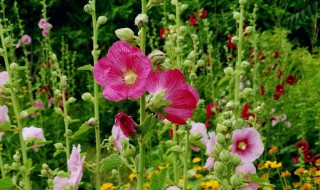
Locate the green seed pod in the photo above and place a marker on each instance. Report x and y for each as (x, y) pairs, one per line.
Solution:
(221, 139)
(235, 160)
(236, 15)
(228, 71)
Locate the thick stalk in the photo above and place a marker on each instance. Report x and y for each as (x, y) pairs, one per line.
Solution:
(3, 174)
(96, 100)
(256, 66)
(175, 161)
(239, 47)
(185, 161)
(66, 122)
(142, 104)
(17, 114)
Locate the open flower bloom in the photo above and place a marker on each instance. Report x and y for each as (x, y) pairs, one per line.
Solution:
(201, 129)
(247, 144)
(210, 144)
(210, 110)
(198, 14)
(31, 134)
(230, 44)
(303, 145)
(123, 72)
(45, 26)
(75, 165)
(24, 40)
(245, 112)
(279, 89)
(4, 77)
(118, 135)
(3, 117)
(125, 123)
(291, 80)
(172, 98)
(247, 169)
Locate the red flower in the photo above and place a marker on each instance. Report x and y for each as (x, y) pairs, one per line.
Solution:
(161, 33)
(261, 56)
(316, 160)
(209, 110)
(276, 54)
(245, 112)
(204, 13)
(193, 17)
(262, 90)
(279, 73)
(44, 89)
(279, 90)
(308, 156)
(291, 80)
(276, 96)
(302, 145)
(126, 123)
(251, 53)
(208, 123)
(230, 44)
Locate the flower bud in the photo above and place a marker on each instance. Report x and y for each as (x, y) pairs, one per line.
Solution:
(178, 50)
(141, 20)
(217, 150)
(228, 71)
(64, 79)
(57, 92)
(45, 166)
(227, 114)
(191, 174)
(14, 66)
(236, 15)
(157, 57)
(7, 41)
(153, 3)
(187, 63)
(88, 9)
(58, 111)
(125, 34)
(249, 29)
(92, 121)
(193, 76)
(171, 17)
(58, 146)
(128, 151)
(235, 40)
(54, 73)
(71, 100)
(235, 160)
(192, 55)
(195, 136)
(184, 7)
(242, 2)
(6, 167)
(236, 180)
(231, 105)
(176, 149)
(174, 2)
(224, 156)
(14, 165)
(244, 64)
(86, 97)
(16, 157)
(24, 114)
(219, 167)
(221, 139)
(101, 20)
(44, 172)
(200, 63)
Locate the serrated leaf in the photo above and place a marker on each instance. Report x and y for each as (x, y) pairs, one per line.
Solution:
(85, 68)
(6, 183)
(82, 129)
(5, 126)
(110, 162)
(158, 180)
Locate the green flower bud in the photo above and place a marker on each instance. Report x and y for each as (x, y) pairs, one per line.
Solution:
(228, 136)
(235, 160)
(183, 29)
(114, 172)
(251, 119)
(58, 146)
(192, 55)
(58, 111)
(235, 39)
(242, 2)
(44, 172)
(45, 166)
(178, 50)
(170, 143)
(125, 34)
(6, 166)
(187, 63)
(195, 136)
(64, 79)
(200, 63)
(174, 2)
(157, 103)
(176, 149)
(193, 76)
(221, 139)
(180, 38)
(157, 57)
(141, 20)
(92, 121)
(101, 20)
(153, 3)
(88, 9)
(227, 114)
(217, 150)
(224, 156)
(24, 114)
(191, 174)
(171, 17)
(53, 57)
(16, 157)
(128, 151)
(228, 71)
(231, 105)
(247, 92)
(244, 64)
(7, 41)
(54, 73)
(21, 183)
(236, 180)
(14, 66)
(184, 7)
(86, 97)
(249, 29)
(236, 15)
(71, 100)
(14, 165)
(219, 167)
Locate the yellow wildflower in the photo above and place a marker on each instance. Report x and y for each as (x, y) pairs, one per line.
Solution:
(299, 171)
(126, 185)
(132, 176)
(212, 184)
(146, 185)
(160, 167)
(107, 186)
(196, 160)
(199, 176)
(298, 184)
(273, 150)
(273, 164)
(285, 174)
(317, 174)
(20, 96)
(306, 186)
(198, 168)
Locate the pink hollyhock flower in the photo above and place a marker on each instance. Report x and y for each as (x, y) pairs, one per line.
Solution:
(126, 124)
(283, 117)
(247, 144)
(42, 23)
(178, 99)
(173, 188)
(4, 77)
(199, 128)
(123, 73)
(211, 143)
(246, 169)
(288, 124)
(33, 133)
(38, 104)
(75, 165)
(24, 40)
(274, 122)
(118, 135)
(302, 145)
(4, 114)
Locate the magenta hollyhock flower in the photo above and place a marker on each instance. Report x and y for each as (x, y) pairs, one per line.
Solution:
(125, 123)
(4, 77)
(162, 33)
(123, 73)
(199, 128)
(211, 143)
(173, 188)
(302, 145)
(308, 156)
(118, 136)
(38, 104)
(24, 40)
(247, 144)
(181, 97)
(246, 169)
(33, 133)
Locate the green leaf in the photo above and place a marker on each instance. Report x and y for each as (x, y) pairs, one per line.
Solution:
(110, 162)
(223, 80)
(85, 68)
(41, 142)
(257, 179)
(198, 143)
(158, 180)
(82, 129)
(5, 126)
(6, 183)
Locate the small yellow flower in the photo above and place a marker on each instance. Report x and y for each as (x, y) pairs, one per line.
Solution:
(318, 180)
(107, 186)
(265, 176)
(160, 167)
(298, 184)
(196, 160)
(306, 186)
(132, 176)
(299, 171)
(198, 168)
(180, 180)
(285, 174)
(146, 185)
(273, 150)
(273, 164)
(126, 185)
(9, 103)
(212, 184)
(199, 176)
(317, 174)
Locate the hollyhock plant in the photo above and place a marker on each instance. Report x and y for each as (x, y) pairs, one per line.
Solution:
(171, 97)
(247, 144)
(162, 33)
(245, 112)
(118, 136)
(24, 40)
(210, 110)
(32, 133)
(45, 26)
(209, 150)
(303, 145)
(4, 114)
(193, 17)
(246, 169)
(308, 156)
(230, 44)
(4, 77)
(279, 89)
(123, 73)
(291, 80)
(199, 128)
(126, 124)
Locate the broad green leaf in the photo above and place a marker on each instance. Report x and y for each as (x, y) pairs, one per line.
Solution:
(110, 162)
(85, 68)
(257, 179)
(82, 129)
(6, 183)
(158, 180)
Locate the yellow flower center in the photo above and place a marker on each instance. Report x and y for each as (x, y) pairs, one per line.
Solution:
(130, 77)
(242, 145)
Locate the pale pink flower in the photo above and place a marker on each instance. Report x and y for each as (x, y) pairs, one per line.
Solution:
(118, 136)
(38, 104)
(283, 117)
(4, 77)
(274, 122)
(123, 73)
(211, 143)
(241, 85)
(182, 97)
(246, 169)
(4, 114)
(24, 40)
(125, 123)
(42, 23)
(199, 128)
(247, 144)
(173, 188)
(288, 124)
(33, 133)
(60, 183)
(45, 26)
(44, 32)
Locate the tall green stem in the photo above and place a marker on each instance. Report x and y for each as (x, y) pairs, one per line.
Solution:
(66, 122)
(185, 161)
(17, 114)
(1, 166)
(175, 161)
(239, 47)
(96, 100)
